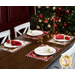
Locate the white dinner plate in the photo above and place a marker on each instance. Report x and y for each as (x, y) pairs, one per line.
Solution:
(34, 32)
(62, 40)
(10, 46)
(45, 51)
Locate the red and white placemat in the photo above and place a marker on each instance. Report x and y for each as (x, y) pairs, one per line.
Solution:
(35, 37)
(13, 50)
(43, 58)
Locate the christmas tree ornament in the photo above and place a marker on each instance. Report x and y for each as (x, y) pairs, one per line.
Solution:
(40, 16)
(39, 7)
(48, 18)
(45, 21)
(59, 8)
(68, 22)
(49, 26)
(55, 26)
(38, 27)
(54, 8)
(54, 13)
(40, 21)
(38, 11)
(67, 11)
(59, 20)
(65, 24)
(66, 31)
(72, 14)
(47, 7)
(63, 27)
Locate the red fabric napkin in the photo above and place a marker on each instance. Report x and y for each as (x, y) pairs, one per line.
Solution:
(67, 38)
(13, 42)
(61, 37)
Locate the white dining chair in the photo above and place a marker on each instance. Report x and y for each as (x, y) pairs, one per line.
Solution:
(5, 35)
(25, 26)
(70, 52)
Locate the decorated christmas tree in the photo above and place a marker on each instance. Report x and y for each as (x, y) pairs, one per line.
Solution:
(64, 18)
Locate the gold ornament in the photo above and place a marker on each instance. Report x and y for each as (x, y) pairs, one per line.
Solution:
(59, 20)
(54, 13)
(72, 14)
(63, 27)
(40, 21)
(49, 26)
(52, 16)
(68, 18)
(66, 31)
(38, 11)
(70, 33)
(68, 22)
(54, 8)
(37, 16)
(48, 18)
(38, 27)
(39, 7)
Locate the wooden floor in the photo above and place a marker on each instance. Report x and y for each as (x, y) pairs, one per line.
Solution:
(18, 60)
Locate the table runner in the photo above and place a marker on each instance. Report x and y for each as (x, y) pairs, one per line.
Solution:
(12, 50)
(61, 43)
(43, 58)
(35, 37)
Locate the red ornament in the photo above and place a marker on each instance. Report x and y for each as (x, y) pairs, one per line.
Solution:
(57, 18)
(40, 16)
(67, 11)
(45, 21)
(65, 24)
(55, 26)
(47, 6)
(60, 8)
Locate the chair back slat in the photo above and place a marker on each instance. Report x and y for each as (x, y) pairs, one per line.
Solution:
(24, 26)
(4, 35)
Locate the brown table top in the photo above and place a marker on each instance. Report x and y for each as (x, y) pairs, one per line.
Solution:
(18, 60)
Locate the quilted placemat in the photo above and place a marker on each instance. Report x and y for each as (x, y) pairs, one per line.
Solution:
(43, 58)
(13, 50)
(35, 37)
(61, 43)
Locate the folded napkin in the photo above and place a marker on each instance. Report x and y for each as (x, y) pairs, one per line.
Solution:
(61, 37)
(13, 42)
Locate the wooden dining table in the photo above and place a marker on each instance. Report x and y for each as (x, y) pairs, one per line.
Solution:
(18, 60)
